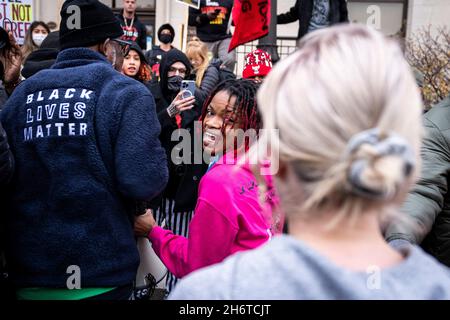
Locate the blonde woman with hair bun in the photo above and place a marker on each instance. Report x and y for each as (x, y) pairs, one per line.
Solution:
(343, 114)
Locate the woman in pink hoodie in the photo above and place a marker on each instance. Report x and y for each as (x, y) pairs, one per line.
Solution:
(229, 216)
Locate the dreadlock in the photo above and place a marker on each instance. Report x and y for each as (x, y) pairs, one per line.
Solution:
(245, 108)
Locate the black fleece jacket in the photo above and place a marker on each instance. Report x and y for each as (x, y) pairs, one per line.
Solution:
(86, 147)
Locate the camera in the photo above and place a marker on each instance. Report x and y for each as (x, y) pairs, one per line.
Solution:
(187, 88)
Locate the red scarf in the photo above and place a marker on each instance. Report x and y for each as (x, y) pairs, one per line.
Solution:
(178, 120)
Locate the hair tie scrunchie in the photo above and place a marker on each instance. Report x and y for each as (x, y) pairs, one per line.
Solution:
(386, 144)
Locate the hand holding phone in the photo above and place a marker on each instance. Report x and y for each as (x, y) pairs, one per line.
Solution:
(183, 101)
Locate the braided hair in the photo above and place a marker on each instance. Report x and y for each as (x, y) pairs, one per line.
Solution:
(245, 108)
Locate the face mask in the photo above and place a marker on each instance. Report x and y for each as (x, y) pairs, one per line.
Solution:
(166, 38)
(39, 38)
(174, 83)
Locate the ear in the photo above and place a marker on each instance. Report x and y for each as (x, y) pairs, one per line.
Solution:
(102, 47)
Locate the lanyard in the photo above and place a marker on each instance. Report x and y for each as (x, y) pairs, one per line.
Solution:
(126, 24)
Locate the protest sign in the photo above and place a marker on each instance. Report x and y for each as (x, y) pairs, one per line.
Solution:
(191, 3)
(16, 16)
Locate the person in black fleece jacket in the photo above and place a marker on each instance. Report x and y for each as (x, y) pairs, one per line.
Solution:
(85, 140)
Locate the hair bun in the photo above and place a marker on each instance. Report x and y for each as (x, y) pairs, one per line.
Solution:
(380, 163)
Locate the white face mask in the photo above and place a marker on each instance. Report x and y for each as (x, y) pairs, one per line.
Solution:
(38, 38)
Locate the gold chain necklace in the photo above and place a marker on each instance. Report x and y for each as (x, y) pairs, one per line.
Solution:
(126, 24)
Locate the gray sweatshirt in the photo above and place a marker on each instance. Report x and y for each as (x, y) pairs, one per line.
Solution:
(287, 268)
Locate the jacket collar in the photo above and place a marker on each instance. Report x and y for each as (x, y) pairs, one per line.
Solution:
(445, 102)
(75, 57)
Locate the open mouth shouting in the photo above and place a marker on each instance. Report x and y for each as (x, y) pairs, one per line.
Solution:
(211, 138)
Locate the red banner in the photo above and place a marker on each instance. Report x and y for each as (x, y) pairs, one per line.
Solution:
(251, 19)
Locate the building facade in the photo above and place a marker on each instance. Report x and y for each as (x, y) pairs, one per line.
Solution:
(389, 16)
(392, 17)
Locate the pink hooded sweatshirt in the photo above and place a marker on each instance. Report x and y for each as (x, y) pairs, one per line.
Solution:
(228, 218)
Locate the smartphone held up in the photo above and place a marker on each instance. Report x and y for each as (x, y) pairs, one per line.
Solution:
(187, 88)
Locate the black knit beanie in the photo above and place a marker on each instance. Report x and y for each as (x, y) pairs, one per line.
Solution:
(166, 26)
(97, 23)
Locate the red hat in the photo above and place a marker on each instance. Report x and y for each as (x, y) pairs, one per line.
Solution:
(257, 63)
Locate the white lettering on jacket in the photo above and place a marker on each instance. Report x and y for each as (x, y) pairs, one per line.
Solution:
(58, 113)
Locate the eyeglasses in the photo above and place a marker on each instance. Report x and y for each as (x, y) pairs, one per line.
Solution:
(181, 71)
(125, 46)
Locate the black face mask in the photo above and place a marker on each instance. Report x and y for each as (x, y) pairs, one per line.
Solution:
(166, 38)
(174, 83)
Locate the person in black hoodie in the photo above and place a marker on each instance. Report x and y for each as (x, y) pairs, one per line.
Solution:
(86, 147)
(133, 28)
(135, 65)
(176, 204)
(166, 34)
(315, 14)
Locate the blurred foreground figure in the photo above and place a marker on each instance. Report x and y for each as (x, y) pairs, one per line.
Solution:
(348, 153)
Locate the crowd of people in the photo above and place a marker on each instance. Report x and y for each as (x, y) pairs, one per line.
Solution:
(103, 142)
